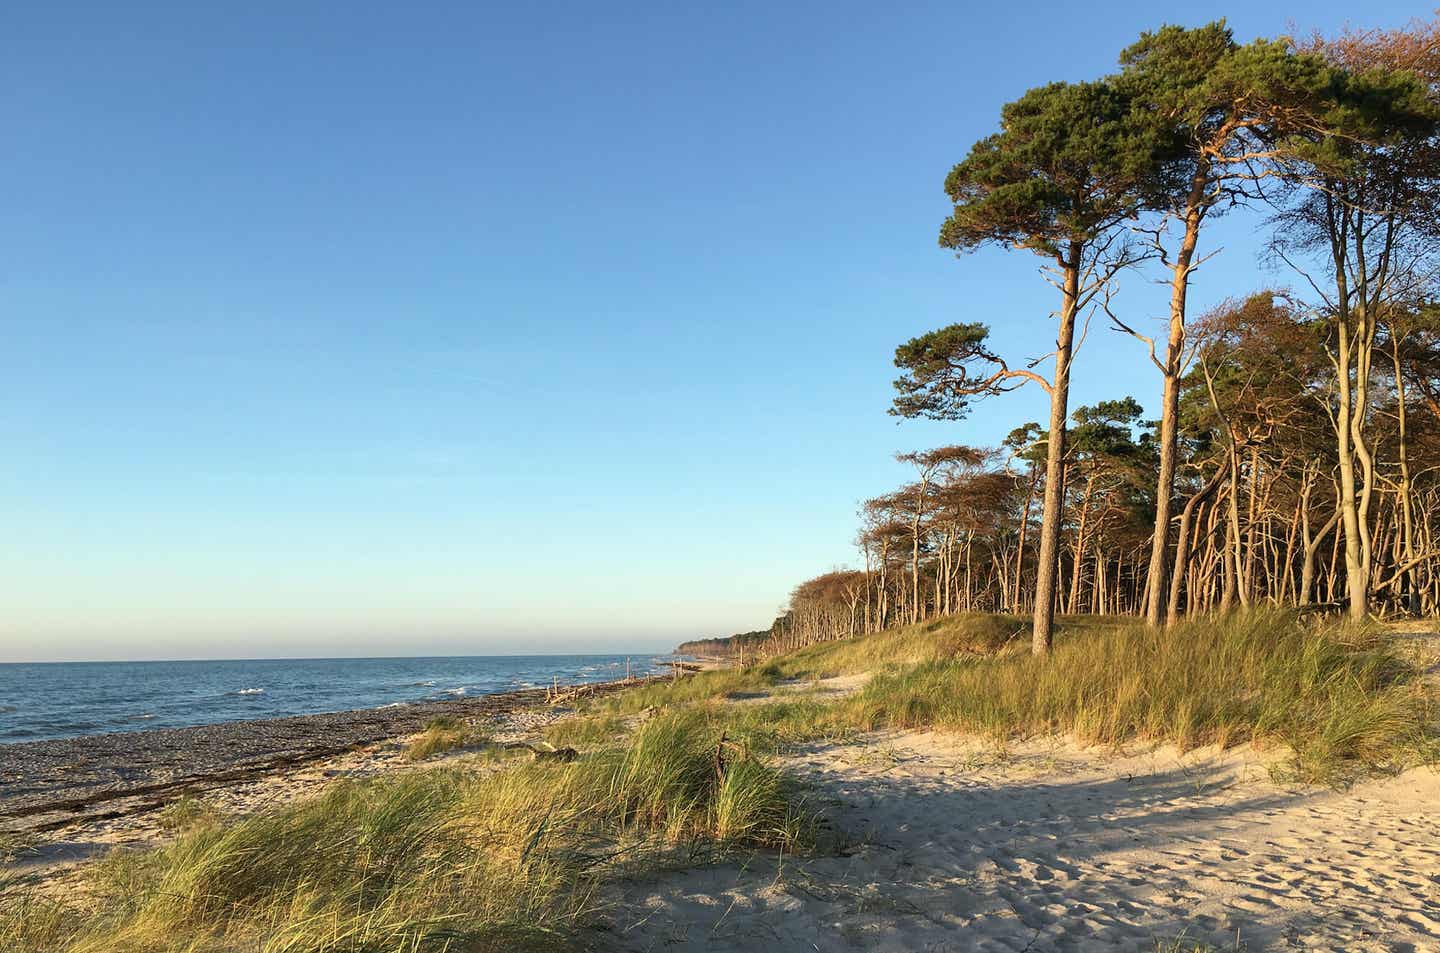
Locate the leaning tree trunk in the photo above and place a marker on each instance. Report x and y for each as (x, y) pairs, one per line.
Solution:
(1020, 544)
(1048, 569)
(1170, 400)
(1182, 543)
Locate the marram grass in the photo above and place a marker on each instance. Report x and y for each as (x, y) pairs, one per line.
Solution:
(433, 861)
(467, 861)
(1341, 699)
(440, 735)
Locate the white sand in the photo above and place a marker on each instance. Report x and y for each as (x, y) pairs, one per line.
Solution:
(1044, 848)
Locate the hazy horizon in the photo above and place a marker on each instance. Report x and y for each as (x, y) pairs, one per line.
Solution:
(496, 327)
(332, 658)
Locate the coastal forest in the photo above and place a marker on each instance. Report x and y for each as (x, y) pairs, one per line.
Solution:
(1289, 451)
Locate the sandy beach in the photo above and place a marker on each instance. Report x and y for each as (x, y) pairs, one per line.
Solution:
(931, 842)
(943, 843)
(949, 845)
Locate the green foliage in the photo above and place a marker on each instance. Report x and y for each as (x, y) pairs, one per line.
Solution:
(1064, 169)
(944, 370)
(1028, 443)
(1214, 103)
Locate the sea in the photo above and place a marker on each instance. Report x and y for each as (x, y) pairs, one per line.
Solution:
(42, 701)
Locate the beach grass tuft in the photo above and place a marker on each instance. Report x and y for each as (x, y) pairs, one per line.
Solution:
(512, 857)
(439, 860)
(440, 735)
(1342, 698)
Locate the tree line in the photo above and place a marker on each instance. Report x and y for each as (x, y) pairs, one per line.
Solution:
(1294, 452)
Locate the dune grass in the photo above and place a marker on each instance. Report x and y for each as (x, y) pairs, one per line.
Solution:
(1183, 944)
(1342, 699)
(440, 735)
(447, 860)
(186, 813)
(950, 637)
(692, 689)
(589, 731)
(937, 640)
(429, 861)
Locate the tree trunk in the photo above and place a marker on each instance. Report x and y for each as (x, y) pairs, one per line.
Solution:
(1049, 565)
(1182, 542)
(1170, 399)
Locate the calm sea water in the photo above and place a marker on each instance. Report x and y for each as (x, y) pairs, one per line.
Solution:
(64, 699)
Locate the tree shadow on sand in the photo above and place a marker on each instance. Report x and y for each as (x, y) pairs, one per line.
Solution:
(938, 862)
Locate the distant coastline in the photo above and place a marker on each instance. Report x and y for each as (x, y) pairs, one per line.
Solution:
(724, 647)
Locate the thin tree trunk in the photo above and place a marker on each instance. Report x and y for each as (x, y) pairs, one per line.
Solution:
(1049, 565)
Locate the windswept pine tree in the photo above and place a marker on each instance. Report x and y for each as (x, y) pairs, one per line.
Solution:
(1223, 113)
(1295, 458)
(1060, 179)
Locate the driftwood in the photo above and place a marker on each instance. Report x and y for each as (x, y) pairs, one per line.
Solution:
(720, 762)
(547, 753)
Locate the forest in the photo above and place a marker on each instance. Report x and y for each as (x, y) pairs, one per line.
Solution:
(1289, 451)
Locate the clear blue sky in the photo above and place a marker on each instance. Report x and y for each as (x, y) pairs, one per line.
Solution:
(462, 327)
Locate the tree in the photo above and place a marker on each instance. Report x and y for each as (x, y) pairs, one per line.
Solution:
(1223, 110)
(1065, 171)
(928, 465)
(1107, 457)
(1360, 226)
(1303, 430)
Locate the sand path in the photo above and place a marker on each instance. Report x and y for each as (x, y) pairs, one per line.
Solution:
(1054, 848)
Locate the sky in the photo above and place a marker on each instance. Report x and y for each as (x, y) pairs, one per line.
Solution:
(482, 328)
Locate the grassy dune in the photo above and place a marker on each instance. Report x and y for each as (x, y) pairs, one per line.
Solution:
(1341, 698)
(434, 860)
(509, 855)
(939, 640)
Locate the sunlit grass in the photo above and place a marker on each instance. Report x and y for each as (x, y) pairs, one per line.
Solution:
(950, 637)
(1343, 700)
(512, 857)
(433, 860)
(441, 735)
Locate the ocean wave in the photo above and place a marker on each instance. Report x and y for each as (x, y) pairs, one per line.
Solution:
(429, 684)
(457, 691)
(250, 691)
(394, 705)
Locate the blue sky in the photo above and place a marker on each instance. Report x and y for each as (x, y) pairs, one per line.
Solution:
(459, 327)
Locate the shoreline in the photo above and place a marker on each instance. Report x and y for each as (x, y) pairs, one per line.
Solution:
(928, 836)
(52, 784)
